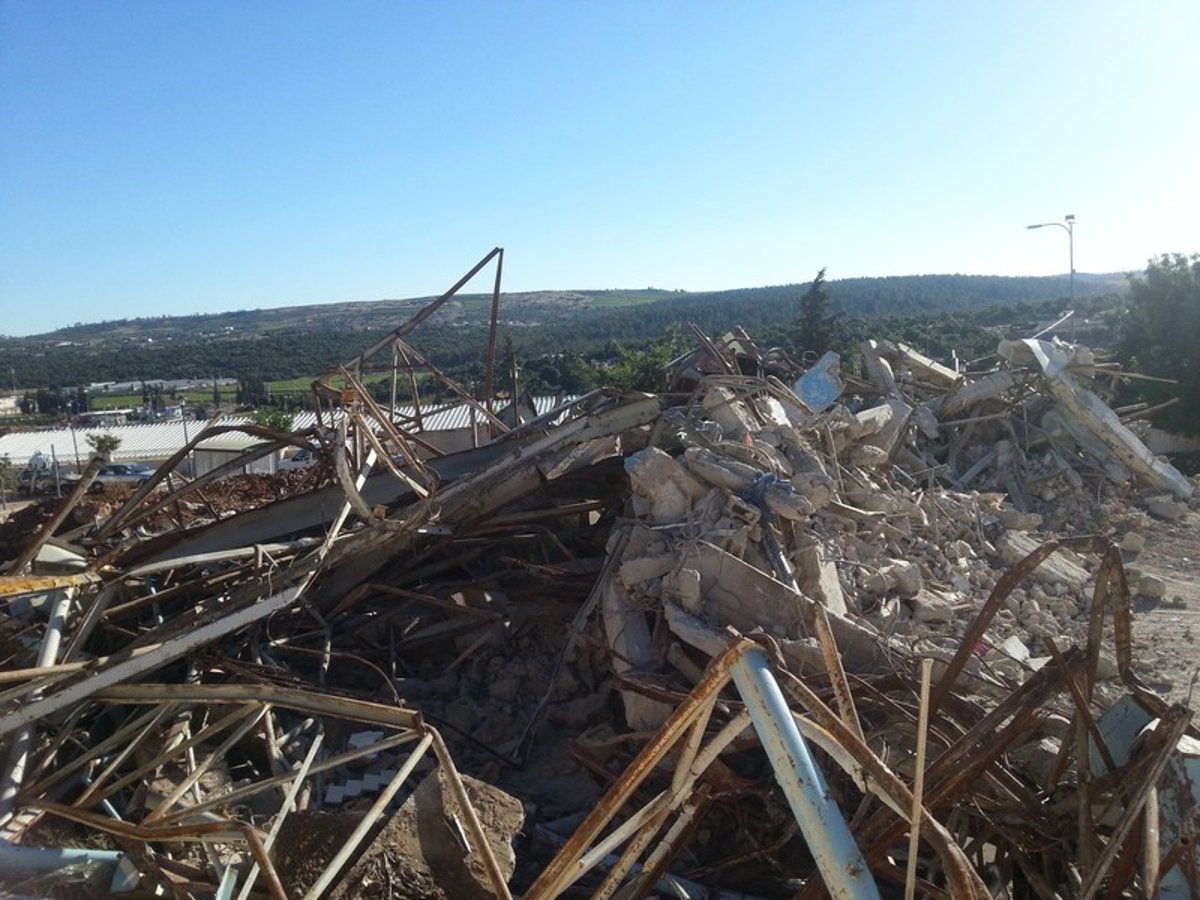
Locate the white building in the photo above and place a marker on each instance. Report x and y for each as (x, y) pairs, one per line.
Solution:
(447, 430)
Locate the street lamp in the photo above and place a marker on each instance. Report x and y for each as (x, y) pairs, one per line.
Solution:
(1069, 228)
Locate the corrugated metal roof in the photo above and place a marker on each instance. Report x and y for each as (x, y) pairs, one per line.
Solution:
(153, 440)
(160, 440)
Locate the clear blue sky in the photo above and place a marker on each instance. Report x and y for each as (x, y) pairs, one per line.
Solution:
(177, 157)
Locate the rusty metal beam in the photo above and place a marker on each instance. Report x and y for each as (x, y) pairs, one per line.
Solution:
(425, 313)
(44, 533)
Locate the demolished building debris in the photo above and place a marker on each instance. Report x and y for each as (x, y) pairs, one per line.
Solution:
(737, 639)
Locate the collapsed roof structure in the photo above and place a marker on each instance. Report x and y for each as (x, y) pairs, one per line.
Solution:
(767, 633)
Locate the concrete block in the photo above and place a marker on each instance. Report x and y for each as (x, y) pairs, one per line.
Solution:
(1132, 542)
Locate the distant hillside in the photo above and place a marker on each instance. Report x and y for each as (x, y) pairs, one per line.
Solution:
(298, 341)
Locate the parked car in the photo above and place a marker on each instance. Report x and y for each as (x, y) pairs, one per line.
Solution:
(301, 459)
(122, 475)
(40, 480)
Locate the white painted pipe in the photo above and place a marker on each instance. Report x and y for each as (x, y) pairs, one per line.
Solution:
(834, 850)
(39, 860)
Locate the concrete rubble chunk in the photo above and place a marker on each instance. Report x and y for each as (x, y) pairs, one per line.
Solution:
(819, 579)
(635, 571)
(975, 392)
(1016, 520)
(959, 550)
(878, 369)
(931, 605)
(902, 577)
(883, 426)
(927, 370)
(775, 493)
(1151, 586)
(628, 636)
(1166, 508)
(868, 456)
(723, 406)
(663, 491)
(1014, 546)
(1133, 542)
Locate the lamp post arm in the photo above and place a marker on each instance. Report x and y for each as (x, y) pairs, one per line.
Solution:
(1069, 228)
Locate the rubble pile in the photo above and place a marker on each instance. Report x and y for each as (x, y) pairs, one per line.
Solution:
(769, 633)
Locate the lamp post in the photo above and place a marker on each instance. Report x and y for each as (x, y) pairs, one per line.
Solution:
(183, 418)
(1069, 228)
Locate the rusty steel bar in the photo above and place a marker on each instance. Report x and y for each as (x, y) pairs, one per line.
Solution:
(455, 387)
(289, 802)
(44, 533)
(1008, 581)
(423, 314)
(474, 825)
(489, 372)
(334, 868)
(1160, 746)
(566, 867)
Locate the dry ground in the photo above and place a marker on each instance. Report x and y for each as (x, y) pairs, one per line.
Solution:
(12, 507)
(1166, 632)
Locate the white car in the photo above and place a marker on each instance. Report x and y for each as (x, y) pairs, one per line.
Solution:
(301, 459)
(122, 475)
(41, 480)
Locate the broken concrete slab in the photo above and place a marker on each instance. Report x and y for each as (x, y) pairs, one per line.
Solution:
(735, 593)
(820, 387)
(976, 391)
(884, 425)
(819, 579)
(1084, 412)
(926, 370)
(663, 491)
(933, 606)
(1014, 546)
(878, 369)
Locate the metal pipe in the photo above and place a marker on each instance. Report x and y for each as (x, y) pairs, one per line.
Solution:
(39, 860)
(14, 858)
(369, 820)
(489, 373)
(837, 856)
(18, 756)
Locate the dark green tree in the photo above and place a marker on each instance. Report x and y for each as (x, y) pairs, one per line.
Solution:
(103, 444)
(1160, 336)
(275, 419)
(251, 390)
(8, 479)
(815, 324)
(48, 401)
(643, 367)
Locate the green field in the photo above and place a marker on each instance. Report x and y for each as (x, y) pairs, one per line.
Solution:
(101, 402)
(304, 385)
(203, 397)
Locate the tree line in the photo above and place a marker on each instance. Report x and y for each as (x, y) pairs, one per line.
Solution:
(1157, 333)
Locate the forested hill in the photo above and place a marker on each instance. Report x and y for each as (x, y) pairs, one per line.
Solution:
(291, 342)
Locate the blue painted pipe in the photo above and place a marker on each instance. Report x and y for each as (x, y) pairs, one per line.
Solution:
(837, 856)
